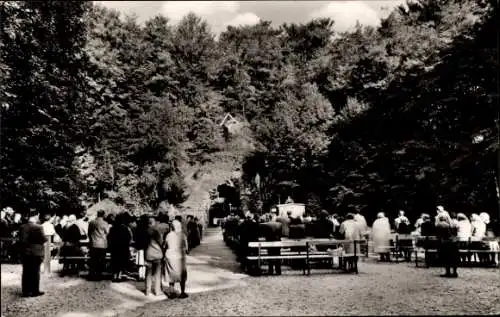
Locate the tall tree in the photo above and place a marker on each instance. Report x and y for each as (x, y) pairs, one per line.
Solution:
(43, 93)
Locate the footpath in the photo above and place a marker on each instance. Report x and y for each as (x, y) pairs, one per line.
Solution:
(211, 266)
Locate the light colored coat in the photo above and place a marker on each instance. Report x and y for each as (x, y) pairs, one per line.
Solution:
(464, 231)
(98, 233)
(381, 235)
(351, 231)
(175, 256)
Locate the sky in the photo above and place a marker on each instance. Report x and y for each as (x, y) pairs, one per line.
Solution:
(220, 14)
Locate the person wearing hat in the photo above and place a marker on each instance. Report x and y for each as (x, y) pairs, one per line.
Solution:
(32, 240)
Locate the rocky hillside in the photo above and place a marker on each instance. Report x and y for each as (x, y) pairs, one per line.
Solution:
(220, 167)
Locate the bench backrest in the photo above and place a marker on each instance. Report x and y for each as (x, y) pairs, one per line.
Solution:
(277, 244)
(300, 243)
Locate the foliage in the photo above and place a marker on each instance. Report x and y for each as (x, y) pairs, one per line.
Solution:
(96, 105)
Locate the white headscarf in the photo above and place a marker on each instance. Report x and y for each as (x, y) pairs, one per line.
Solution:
(177, 226)
(17, 217)
(71, 220)
(485, 217)
(478, 226)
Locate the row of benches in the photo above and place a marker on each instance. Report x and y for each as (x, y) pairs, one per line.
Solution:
(471, 252)
(305, 253)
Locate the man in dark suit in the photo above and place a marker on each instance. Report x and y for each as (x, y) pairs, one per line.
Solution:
(32, 241)
(272, 231)
(98, 232)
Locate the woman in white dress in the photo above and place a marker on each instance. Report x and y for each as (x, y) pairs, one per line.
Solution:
(175, 256)
(381, 236)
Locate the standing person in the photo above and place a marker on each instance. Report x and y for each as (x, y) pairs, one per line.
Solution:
(401, 223)
(83, 223)
(285, 221)
(361, 222)
(163, 227)
(141, 244)
(60, 225)
(272, 231)
(119, 239)
(405, 244)
(200, 227)
(336, 223)
(323, 227)
(183, 223)
(448, 251)
(175, 255)
(49, 232)
(98, 232)
(381, 235)
(192, 233)
(246, 231)
(428, 227)
(351, 230)
(71, 248)
(32, 241)
(153, 256)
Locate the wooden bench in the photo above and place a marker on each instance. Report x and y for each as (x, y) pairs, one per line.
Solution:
(403, 247)
(470, 255)
(304, 251)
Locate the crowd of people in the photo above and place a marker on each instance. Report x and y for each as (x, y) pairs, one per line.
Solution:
(273, 227)
(451, 230)
(160, 245)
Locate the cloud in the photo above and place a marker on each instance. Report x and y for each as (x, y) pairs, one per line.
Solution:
(247, 18)
(346, 13)
(176, 10)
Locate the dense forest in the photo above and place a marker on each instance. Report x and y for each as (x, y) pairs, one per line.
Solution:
(405, 115)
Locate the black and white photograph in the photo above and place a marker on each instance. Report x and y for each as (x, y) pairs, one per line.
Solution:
(249, 158)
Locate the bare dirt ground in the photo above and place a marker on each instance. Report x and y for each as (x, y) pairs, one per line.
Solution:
(379, 289)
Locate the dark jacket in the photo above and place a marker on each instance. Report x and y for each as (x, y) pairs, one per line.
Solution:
(271, 231)
(119, 239)
(72, 234)
(323, 228)
(403, 228)
(445, 230)
(427, 229)
(32, 240)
